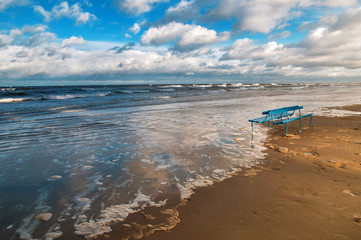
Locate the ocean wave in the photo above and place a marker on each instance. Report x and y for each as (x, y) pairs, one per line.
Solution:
(11, 100)
(172, 86)
(66, 96)
(128, 91)
(239, 89)
(202, 85)
(162, 97)
(13, 93)
(73, 96)
(7, 89)
(165, 89)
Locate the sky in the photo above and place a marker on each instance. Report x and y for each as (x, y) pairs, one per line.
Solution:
(181, 41)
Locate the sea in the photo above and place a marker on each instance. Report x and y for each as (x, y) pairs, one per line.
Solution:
(89, 157)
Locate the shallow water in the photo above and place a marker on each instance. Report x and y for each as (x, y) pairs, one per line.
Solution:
(95, 154)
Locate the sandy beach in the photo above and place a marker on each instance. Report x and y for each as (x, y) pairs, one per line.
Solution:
(309, 191)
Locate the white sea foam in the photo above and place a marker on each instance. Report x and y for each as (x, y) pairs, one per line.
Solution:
(54, 178)
(115, 213)
(163, 97)
(66, 96)
(53, 235)
(187, 189)
(72, 96)
(202, 86)
(10, 100)
(338, 113)
(83, 200)
(87, 167)
(171, 86)
(29, 224)
(8, 89)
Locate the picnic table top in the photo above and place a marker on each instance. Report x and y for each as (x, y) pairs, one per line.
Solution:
(281, 110)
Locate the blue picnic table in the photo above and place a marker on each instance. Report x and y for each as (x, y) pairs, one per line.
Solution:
(282, 116)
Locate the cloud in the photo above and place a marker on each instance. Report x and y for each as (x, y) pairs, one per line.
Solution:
(183, 11)
(135, 28)
(328, 3)
(53, 61)
(336, 44)
(331, 48)
(126, 47)
(73, 41)
(284, 34)
(255, 16)
(246, 49)
(42, 11)
(12, 3)
(182, 6)
(328, 49)
(64, 10)
(137, 6)
(248, 15)
(29, 36)
(186, 37)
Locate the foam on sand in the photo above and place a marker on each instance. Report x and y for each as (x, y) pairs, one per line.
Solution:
(115, 213)
(218, 175)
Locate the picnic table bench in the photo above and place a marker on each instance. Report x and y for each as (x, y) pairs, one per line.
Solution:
(282, 116)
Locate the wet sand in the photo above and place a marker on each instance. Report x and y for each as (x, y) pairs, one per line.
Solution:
(310, 191)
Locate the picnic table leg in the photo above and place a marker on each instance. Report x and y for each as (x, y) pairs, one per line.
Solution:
(299, 129)
(287, 129)
(252, 126)
(311, 120)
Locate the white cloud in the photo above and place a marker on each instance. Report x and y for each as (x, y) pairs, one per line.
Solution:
(64, 10)
(137, 6)
(163, 34)
(73, 41)
(182, 6)
(284, 34)
(54, 61)
(255, 15)
(328, 3)
(30, 36)
(329, 49)
(251, 15)
(42, 11)
(246, 49)
(183, 11)
(135, 28)
(340, 38)
(185, 36)
(11, 3)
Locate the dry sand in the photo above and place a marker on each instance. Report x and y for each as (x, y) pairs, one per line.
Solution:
(310, 191)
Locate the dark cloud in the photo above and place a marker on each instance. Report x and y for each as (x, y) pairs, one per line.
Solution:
(125, 47)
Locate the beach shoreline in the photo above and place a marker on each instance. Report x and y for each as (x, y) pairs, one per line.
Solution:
(309, 191)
